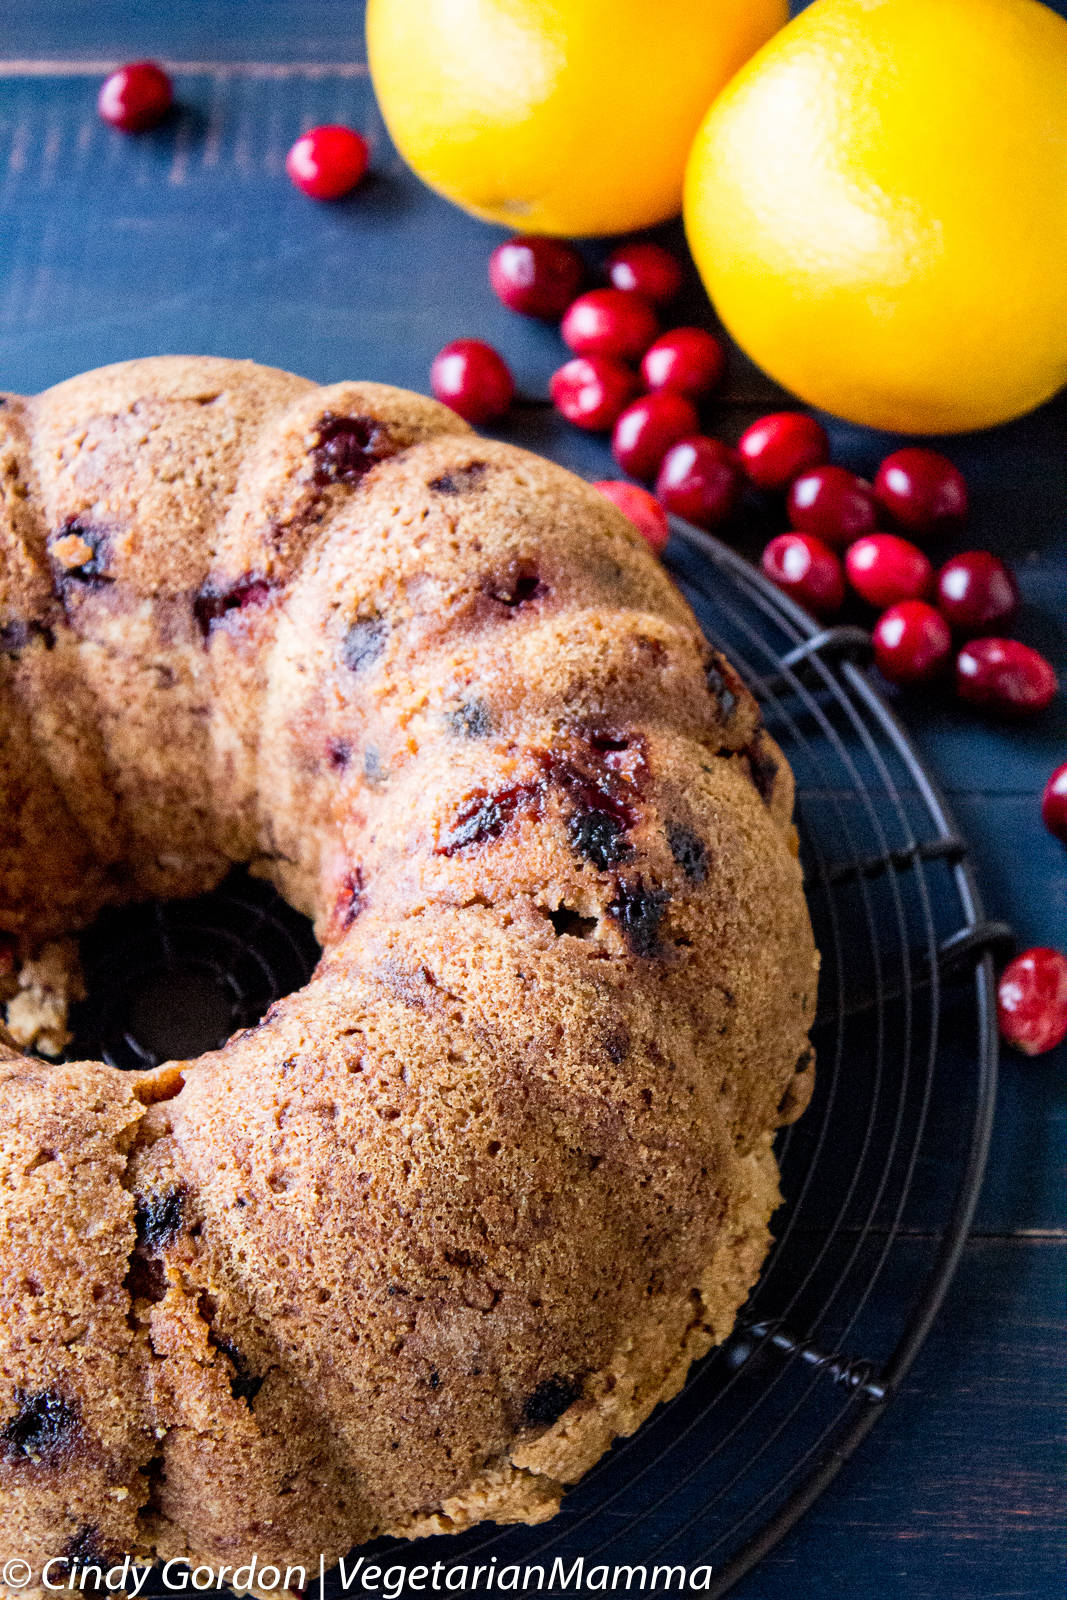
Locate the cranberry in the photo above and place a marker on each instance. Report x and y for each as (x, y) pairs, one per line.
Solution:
(647, 269)
(700, 479)
(136, 97)
(976, 590)
(158, 1218)
(473, 379)
(485, 816)
(921, 490)
(832, 503)
(591, 391)
(645, 512)
(1032, 1001)
(779, 447)
(648, 427)
(685, 360)
(912, 642)
(639, 912)
(884, 569)
(606, 322)
(327, 162)
(1004, 675)
(41, 1428)
(212, 606)
(808, 570)
(539, 277)
(1054, 803)
(348, 447)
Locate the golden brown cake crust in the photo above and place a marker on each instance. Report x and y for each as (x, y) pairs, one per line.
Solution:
(414, 1250)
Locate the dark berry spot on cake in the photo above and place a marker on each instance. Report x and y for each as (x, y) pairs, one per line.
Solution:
(159, 1218)
(15, 636)
(516, 591)
(689, 851)
(564, 920)
(214, 605)
(338, 754)
(549, 1401)
(363, 643)
(42, 1429)
(461, 480)
(599, 836)
(80, 552)
(617, 1045)
(434, 1380)
(352, 898)
(484, 817)
(347, 448)
(762, 767)
(720, 689)
(87, 1545)
(471, 720)
(639, 912)
(244, 1383)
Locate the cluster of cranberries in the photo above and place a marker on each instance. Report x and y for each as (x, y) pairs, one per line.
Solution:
(926, 615)
(847, 533)
(625, 375)
(325, 163)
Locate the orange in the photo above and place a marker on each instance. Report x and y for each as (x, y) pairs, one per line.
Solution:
(878, 206)
(557, 116)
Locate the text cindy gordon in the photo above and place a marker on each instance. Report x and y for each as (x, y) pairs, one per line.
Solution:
(358, 1575)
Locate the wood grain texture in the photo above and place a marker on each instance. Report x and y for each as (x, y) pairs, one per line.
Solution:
(191, 239)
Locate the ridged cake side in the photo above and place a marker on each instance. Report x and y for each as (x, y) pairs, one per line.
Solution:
(415, 1249)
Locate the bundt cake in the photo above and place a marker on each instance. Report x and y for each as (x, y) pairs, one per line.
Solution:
(412, 1251)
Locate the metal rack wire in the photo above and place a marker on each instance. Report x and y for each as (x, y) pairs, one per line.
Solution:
(879, 1178)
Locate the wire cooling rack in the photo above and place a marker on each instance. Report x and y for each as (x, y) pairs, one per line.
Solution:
(879, 1177)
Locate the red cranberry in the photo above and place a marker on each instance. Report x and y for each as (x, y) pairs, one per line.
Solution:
(884, 569)
(606, 322)
(136, 97)
(646, 430)
(1004, 675)
(473, 379)
(685, 360)
(833, 504)
(1032, 1001)
(976, 590)
(591, 391)
(779, 447)
(912, 642)
(1054, 803)
(700, 479)
(327, 162)
(921, 490)
(539, 277)
(643, 510)
(647, 269)
(808, 570)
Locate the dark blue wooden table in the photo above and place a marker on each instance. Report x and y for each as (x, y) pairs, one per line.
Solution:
(191, 239)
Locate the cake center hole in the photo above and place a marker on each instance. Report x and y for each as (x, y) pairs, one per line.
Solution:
(176, 978)
(183, 1011)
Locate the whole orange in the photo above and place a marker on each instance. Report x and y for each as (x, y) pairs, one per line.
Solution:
(557, 116)
(878, 206)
